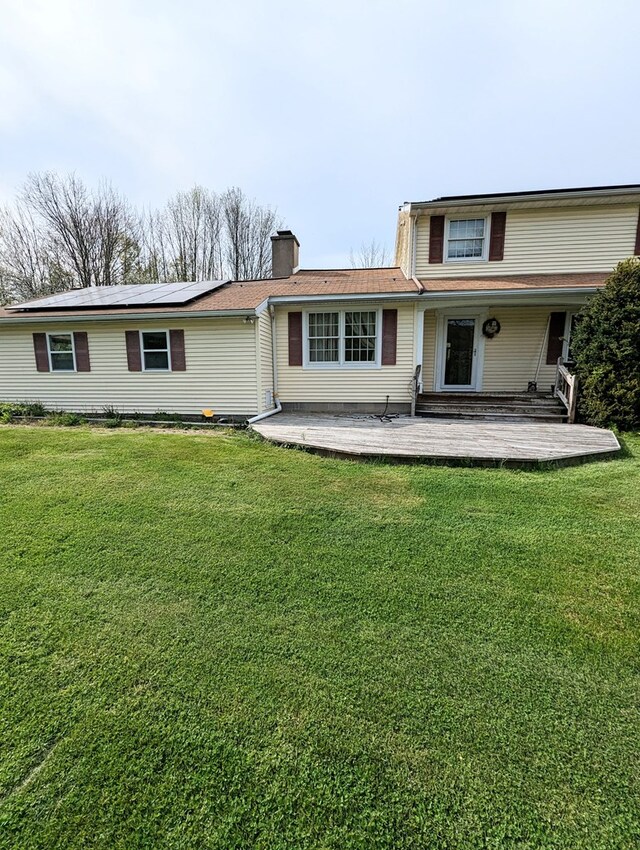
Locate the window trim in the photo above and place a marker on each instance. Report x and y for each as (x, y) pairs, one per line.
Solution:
(73, 352)
(485, 240)
(142, 349)
(342, 363)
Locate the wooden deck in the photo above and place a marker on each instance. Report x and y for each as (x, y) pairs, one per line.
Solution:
(440, 440)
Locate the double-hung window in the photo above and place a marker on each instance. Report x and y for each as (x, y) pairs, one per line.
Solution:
(466, 239)
(154, 346)
(62, 355)
(360, 337)
(324, 337)
(343, 338)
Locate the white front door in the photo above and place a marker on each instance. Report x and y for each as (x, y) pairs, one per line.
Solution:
(458, 353)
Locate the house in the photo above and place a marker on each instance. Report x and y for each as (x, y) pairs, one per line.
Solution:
(479, 307)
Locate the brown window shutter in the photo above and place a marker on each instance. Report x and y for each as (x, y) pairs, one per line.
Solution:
(176, 344)
(496, 239)
(436, 238)
(295, 339)
(389, 337)
(40, 349)
(556, 334)
(637, 248)
(134, 357)
(81, 345)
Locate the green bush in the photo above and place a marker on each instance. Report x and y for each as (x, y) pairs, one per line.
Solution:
(606, 347)
(111, 412)
(9, 410)
(163, 416)
(67, 420)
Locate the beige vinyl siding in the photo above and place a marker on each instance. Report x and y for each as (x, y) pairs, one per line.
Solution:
(537, 241)
(429, 351)
(220, 357)
(511, 357)
(265, 361)
(343, 385)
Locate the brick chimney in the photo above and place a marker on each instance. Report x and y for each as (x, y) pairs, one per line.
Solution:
(284, 253)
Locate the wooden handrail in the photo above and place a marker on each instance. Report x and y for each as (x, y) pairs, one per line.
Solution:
(566, 389)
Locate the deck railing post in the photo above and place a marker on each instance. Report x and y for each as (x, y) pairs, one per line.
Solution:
(557, 386)
(573, 399)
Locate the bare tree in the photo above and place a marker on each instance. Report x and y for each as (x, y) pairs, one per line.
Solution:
(90, 231)
(60, 234)
(190, 234)
(247, 235)
(29, 264)
(370, 256)
(200, 235)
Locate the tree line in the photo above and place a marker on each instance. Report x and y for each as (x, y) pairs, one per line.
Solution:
(61, 234)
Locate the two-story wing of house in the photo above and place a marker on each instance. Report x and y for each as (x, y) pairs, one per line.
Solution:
(504, 276)
(480, 304)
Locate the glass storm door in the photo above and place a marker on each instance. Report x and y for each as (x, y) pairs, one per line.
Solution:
(459, 353)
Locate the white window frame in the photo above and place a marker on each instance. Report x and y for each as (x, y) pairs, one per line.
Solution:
(73, 352)
(341, 362)
(485, 240)
(168, 349)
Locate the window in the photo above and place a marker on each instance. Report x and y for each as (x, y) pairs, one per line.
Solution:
(155, 351)
(466, 239)
(62, 357)
(343, 338)
(324, 337)
(360, 337)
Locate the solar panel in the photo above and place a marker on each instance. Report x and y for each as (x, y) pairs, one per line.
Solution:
(134, 295)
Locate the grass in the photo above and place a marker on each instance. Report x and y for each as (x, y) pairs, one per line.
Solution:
(209, 642)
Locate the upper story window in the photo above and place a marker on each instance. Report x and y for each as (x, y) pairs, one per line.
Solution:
(154, 346)
(466, 239)
(62, 356)
(343, 338)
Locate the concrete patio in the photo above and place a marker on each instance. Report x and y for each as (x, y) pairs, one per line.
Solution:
(440, 440)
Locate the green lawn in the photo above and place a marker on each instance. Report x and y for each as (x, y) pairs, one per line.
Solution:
(209, 642)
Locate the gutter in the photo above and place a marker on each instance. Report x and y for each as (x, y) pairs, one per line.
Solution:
(415, 206)
(356, 296)
(422, 294)
(25, 317)
(527, 293)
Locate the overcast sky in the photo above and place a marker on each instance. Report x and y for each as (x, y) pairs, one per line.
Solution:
(333, 112)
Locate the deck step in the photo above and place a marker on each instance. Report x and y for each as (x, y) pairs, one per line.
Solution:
(516, 407)
(488, 398)
(506, 404)
(482, 415)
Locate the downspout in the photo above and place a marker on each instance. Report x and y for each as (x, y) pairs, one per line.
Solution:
(274, 362)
